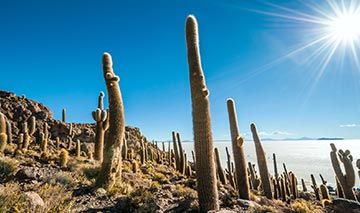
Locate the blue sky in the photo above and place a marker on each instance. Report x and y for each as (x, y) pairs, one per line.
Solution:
(51, 52)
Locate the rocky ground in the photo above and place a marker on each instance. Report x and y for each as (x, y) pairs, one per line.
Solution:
(30, 183)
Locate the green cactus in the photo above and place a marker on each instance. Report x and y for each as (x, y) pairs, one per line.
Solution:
(238, 152)
(63, 118)
(346, 180)
(261, 158)
(315, 187)
(205, 167)
(111, 165)
(3, 132)
(102, 124)
(220, 171)
(324, 192)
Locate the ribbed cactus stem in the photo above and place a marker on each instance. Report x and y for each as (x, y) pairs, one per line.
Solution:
(9, 132)
(181, 153)
(261, 158)
(125, 150)
(220, 170)
(238, 152)
(346, 180)
(78, 148)
(303, 185)
(3, 134)
(275, 166)
(293, 185)
(315, 187)
(101, 118)
(176, 151)
(111, 165)
(44, 142)
(230, 173)
(205, 167)
(57, 141)
(64, 158)
(32, 125)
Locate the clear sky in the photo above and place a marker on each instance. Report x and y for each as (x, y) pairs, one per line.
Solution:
(51, 52)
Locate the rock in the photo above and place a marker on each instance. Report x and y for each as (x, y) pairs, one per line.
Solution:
(34, 200)
(100, 191)
(247, 204)
(25, 174)
(340, 205)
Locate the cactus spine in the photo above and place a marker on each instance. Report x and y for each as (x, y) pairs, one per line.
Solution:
(205, 167)
(347, 180)
(238, 152)
(101, 117)
(263, 169)
(111, 165)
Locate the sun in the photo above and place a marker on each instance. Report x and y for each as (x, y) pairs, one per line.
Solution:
(345, 27)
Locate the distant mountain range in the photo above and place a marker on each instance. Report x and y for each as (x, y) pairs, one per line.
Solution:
(284, 139)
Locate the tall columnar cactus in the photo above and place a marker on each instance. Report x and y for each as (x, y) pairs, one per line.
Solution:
(205, 167)
(220, 171)
(63, 118)
(101, 118)
(358, 166)
(282, 189)
(43, 143)
(25, 132)
(176, 151)
(315, 187)
(303, 185)
(261, 158)
(78, 148)
(238, 152)
(3, 134)
(111, 165)
(293, 185)
(57, 144)
(125, 147)
(181, 153)
(64, 158)
(9, 131)
(32, 125)
(255, 180)
(346, 180)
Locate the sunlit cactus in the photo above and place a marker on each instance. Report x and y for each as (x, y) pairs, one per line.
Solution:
(101, 118)
(78, 148)
(261, 158)
(111, 165)
(324, 192)
(3, 134)
(238, 152)
(9, 132)
(205, 167)
(347, 179)
(229, 171)
(64, 158)
(255, 180)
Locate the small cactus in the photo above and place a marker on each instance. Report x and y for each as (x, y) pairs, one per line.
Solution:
(64, 158)
(101, 117)
(255, 180)
(205, 167)
(135, 166)
(238, 152)
(9, 132)
(346, 180)
(78, 148)
(261, 158)
(230, 173)
(3, 132)
(63, 117)
(182, 166)
(358, 166)
(303, 185)
(220, 170)
(315, 187)
(44, 142)
(324, 192)
(176, 151)
(57, 142)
